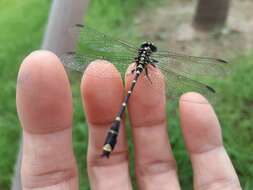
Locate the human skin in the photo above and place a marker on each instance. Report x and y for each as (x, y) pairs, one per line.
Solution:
(44, 106)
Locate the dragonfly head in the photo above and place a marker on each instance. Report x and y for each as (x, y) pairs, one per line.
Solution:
(149, 46)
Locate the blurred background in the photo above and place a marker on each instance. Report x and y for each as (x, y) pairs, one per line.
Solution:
(218, 28)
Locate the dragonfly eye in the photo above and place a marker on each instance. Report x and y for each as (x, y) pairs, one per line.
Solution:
(145, 44)
(153, 48)
(149, 45)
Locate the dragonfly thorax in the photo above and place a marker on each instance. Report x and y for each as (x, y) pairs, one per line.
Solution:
(144, 53)
(148, 46)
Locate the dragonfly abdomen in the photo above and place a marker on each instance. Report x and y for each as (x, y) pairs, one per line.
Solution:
(142, 59)
(111, 138)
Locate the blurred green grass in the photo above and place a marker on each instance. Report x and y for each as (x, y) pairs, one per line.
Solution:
(22, 25)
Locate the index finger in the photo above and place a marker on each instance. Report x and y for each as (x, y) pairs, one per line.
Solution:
(102, 96)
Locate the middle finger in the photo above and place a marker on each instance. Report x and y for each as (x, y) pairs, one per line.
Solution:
(154, 161)
(102, 98)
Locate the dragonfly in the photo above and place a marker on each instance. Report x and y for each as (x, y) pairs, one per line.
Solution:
(177, 70)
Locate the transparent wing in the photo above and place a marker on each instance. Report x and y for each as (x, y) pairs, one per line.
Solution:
(95, 45)
(191, 66)
(102, 43)
(78, 62)
(173, 85)
(176, 85)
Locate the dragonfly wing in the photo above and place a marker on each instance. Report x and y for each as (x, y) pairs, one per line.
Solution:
(77, 62)
(173, 85)
(191, 66)
(176, 85)
(96, 45)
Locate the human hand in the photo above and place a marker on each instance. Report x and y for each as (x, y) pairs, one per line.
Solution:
(44, 105)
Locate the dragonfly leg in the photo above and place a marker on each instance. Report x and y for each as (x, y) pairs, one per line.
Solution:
(153, 65)
(133, 70)
(146, 75)
(153, 62)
